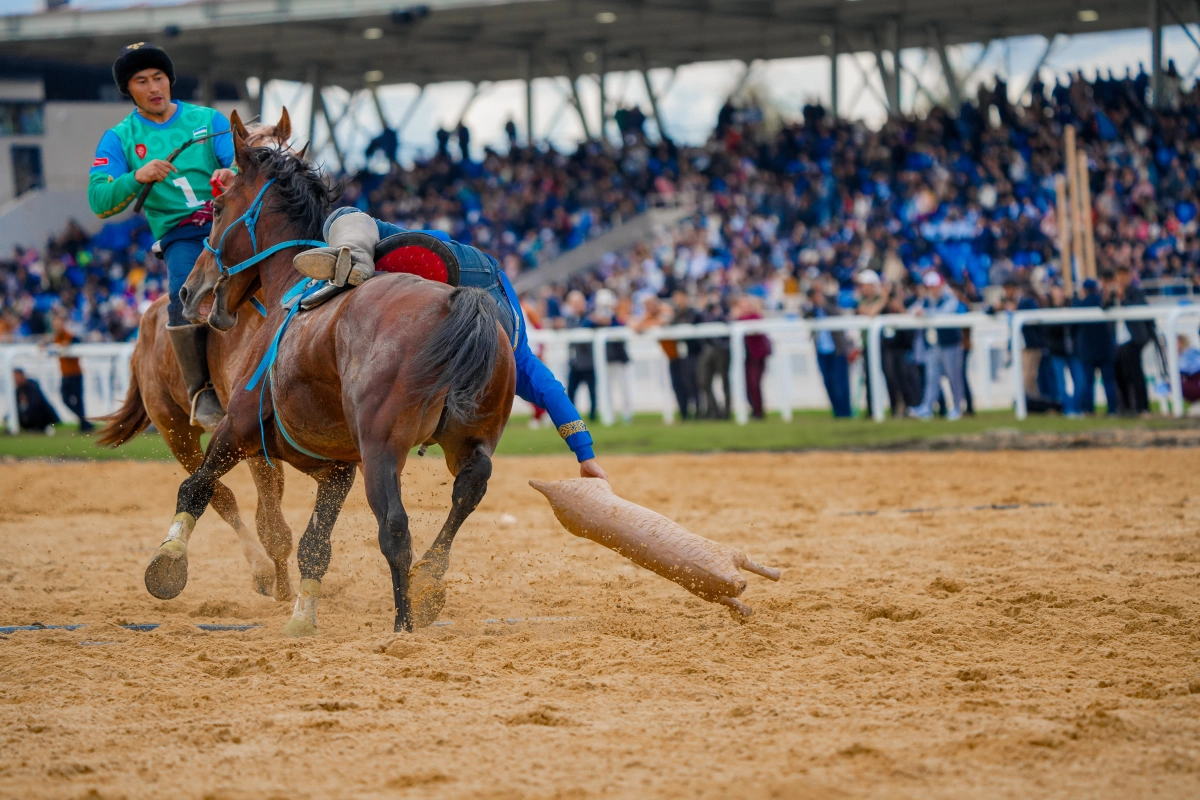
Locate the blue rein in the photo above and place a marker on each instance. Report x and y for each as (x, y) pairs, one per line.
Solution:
(249, 218)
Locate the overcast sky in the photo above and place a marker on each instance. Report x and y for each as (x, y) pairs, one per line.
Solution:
(694, 93)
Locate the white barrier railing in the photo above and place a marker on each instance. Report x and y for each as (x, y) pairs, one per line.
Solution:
(106, 366)
(737, 332)
(1168, 316)
(105, 369)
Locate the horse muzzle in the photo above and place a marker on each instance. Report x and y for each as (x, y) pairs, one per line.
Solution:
(206, 305)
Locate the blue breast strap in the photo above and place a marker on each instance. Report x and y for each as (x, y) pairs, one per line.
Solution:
(291, 301)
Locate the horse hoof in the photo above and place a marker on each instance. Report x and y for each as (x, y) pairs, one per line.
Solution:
(296, 628)
(265, 584)
(426, 594)
(167, 573)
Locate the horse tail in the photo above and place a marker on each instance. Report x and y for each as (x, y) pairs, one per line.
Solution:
(460, 356)
(127, 421)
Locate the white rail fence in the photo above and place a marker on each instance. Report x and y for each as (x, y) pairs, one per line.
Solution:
(792, 380)
(105, 376)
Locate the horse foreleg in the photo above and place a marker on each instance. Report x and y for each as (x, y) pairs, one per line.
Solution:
(273, 530)
(166, 574)
(184, 441)
(333, 484)
(426, 590)
(381, 472)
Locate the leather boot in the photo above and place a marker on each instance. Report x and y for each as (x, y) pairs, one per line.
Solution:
(350, 256)
(191, 351)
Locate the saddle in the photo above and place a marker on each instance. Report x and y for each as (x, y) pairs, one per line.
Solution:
(421, 253)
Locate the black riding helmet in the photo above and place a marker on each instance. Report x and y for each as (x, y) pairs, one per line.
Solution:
(139, 56)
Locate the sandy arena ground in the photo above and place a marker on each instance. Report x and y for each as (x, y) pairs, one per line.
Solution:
(1047, 650)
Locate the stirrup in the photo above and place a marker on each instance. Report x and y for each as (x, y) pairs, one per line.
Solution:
(321, 295)
(208, 387)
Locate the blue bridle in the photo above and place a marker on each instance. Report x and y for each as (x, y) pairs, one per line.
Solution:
(249, 218)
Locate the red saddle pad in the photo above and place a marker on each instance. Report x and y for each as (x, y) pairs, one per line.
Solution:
(417, 254)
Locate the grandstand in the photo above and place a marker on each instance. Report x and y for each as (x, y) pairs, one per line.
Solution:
(766, 208)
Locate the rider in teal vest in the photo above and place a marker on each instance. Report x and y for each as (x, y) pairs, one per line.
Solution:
(179, 206)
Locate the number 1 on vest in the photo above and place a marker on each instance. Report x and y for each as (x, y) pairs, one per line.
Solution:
(186, 188)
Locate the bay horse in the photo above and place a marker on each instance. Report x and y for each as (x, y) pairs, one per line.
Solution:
(360, 380)
(157, 395)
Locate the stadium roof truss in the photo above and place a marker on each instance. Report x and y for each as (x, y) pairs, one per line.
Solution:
(356, 44)
(476, 40)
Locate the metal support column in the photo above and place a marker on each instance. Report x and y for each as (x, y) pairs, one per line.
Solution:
(410, 111)
(379, 107)
(1156, 73)
(1033, 76)
(952, 84)
(892, 43)
(834, 44)
(529, 136)
(313, 79)
(319, 98)
(603, 96)
(573, 77)
(658, 120)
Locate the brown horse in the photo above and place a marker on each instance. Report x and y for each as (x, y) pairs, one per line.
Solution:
(157, 394)
(396, 362)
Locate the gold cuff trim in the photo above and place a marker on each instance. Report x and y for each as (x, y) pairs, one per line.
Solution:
(570, 428)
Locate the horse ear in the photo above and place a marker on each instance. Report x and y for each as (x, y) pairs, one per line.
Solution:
(303, 150)
(236, 124)
(239, 141)
(283, 128)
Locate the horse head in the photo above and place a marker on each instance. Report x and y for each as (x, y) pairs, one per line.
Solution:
(276, 197)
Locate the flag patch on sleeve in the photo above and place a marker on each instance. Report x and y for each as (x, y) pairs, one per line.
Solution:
(100, 162)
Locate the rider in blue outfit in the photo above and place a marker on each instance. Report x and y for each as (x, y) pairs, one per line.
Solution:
(535, 382)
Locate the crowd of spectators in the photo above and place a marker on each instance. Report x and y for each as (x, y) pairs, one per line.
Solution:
(817, 216)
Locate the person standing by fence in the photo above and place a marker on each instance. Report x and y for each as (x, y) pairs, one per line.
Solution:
(1060, 346)
(1132, 338)
(758, 349)
(684, 359)
(1097, 348)
(72, 374)
(833, 350)
(581, 364)
(944, 354)
(616, 353)
(714, 362)
(872, 298)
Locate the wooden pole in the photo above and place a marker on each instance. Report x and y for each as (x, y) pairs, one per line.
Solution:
(1073, 201)
(1085, 211)
(1064, 234)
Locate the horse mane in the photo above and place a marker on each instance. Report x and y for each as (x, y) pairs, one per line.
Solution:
(300, 191)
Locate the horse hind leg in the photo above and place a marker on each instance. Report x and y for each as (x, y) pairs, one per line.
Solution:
(426, 588)
(333, 484)
(381, 471)
(273, 530)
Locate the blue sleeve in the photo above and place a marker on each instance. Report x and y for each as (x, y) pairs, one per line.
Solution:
(536, 384)
(222, 145)
(110, 158)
